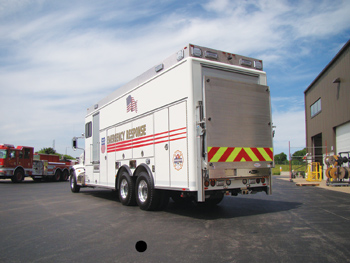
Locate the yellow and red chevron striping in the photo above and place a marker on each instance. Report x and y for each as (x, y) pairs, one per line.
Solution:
(239, 154)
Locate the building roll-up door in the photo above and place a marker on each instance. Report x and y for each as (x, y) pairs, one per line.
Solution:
(343, 138)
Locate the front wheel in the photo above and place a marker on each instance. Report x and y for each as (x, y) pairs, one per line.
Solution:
(18, 176)
(146, 196)
(73, 184)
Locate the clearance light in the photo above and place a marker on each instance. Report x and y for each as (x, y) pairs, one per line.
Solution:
(257, 64)
(159, 67)
(245, 62)
(196, 52)
(180, 55)
(209, 54)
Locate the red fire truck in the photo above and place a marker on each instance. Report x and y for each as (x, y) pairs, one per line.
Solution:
(17, 163)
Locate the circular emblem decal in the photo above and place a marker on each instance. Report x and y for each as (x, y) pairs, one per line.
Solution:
(178, 160)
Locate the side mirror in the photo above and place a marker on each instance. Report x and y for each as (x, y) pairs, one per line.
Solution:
(75, 143)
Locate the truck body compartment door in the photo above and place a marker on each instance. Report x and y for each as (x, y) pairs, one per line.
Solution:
(239, 133)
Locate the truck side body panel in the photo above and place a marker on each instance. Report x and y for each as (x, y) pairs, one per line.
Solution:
(140, 123)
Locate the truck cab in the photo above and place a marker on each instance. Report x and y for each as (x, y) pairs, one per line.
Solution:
(15, 162)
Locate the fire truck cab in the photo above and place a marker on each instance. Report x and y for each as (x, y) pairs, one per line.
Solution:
(15, 162)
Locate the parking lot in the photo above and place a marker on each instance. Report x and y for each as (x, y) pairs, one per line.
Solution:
(45, 222)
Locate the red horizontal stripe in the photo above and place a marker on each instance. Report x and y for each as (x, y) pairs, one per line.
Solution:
(142, 145)
(161, 138)
(172, 135)
(144, 141)
(148, 136)
(177, 129)
(178, 138)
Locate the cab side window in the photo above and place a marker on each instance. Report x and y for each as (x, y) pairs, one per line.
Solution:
(26, 153)
(3, 154)
(88, 129)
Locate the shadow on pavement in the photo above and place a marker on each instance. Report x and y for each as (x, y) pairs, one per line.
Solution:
(29, 181)
(230, 207)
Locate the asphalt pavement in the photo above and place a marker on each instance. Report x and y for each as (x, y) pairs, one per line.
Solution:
(45, 222)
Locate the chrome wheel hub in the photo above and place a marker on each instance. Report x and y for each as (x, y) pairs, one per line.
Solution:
(124, 189)
(142, 191)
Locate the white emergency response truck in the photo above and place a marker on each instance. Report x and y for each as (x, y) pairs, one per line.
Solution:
(195, 127)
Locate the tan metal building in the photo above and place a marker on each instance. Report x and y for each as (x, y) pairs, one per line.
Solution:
(327, 108)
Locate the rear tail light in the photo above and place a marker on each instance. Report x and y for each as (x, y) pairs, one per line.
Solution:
(212, 182)
(258, 180)
(262, 180)
(206, 183)
(244, 181)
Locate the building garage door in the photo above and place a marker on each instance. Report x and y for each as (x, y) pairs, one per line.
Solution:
(343, 138)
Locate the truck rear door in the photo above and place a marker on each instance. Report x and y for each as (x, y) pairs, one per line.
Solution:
(238, 127)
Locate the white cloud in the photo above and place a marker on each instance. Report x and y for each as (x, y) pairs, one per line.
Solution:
(290, 127)
(288, 116)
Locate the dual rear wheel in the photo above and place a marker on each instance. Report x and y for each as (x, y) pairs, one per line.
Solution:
(141, 192)
(60, 175)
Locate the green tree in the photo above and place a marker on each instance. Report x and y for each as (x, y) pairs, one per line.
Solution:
(50, 150)
(297, 157)
(281, 158)
(68, 157)
(47, 151)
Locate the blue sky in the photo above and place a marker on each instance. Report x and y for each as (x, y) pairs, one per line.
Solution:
(60, 57)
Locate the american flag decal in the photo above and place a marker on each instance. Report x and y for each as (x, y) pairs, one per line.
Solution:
(103, 144)
(131, 104)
